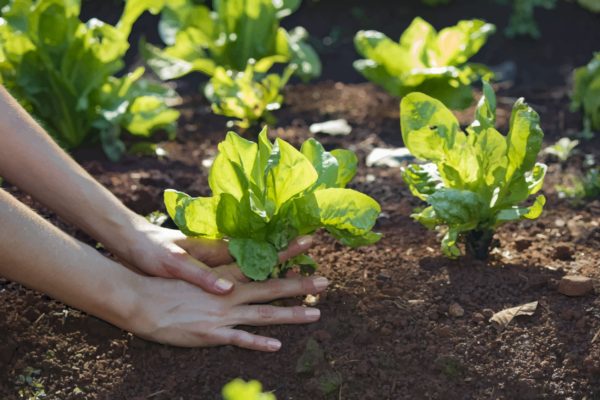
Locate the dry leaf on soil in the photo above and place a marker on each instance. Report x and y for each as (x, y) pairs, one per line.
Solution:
(502, 318)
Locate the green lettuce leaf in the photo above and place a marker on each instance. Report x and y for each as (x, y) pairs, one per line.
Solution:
(266, 194)
(425, 60)
(473, 182)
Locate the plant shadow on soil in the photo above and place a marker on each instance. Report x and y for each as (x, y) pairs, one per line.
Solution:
(385, 328)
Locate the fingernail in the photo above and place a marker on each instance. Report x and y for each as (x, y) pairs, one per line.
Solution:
(305, 240)
(320, 283)
(273, 344)
(312, 313)
(223, 285)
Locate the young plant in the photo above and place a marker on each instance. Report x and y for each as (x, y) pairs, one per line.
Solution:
(266, 194)
(63, 72)
(586, 95)
(245, 96)
(474, 181)
(582, 188)
(522, 19)
(234, 33)
(562, 149)
(238, 389)
(425, 60)
(592, 5)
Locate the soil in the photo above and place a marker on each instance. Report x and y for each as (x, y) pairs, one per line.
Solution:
(386, 330)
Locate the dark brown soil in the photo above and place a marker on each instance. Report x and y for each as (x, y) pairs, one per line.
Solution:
(386, 331)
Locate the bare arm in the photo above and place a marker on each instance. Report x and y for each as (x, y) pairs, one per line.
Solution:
(37, 254)
(30, 159)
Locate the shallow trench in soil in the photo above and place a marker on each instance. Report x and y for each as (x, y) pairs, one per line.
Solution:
(386, 331)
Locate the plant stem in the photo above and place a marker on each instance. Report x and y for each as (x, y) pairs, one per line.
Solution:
(478, 243)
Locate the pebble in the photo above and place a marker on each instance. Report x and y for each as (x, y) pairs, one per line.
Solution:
(478, 317)
(575, 285)
(456, 310)
(487, 313)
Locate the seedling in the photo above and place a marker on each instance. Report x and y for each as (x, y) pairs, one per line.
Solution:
(245, 96)
(266, 194)
(238, 389)
(63, 72)
(586, 95)
(562, 149)
(425, 60)
(522, 19)
(474, 181)
(236, 32)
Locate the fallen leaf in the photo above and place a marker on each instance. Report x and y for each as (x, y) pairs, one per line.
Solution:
(502, 318)
(392, 158)
(336, 127)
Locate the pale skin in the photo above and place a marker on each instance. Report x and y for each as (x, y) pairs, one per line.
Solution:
(174, 290)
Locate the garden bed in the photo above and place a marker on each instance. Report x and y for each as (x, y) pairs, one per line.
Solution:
(386, 331)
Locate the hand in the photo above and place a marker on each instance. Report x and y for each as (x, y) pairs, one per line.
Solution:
(177, 313)
(168, 253)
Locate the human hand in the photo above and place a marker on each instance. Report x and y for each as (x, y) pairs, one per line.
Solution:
(178, 313)
(168, 253)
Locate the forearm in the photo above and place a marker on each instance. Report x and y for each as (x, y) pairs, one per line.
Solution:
(40, 256)
(32, 161)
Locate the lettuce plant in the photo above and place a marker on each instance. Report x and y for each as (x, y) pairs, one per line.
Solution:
(473, 181)
(63, 72)
(522, 19)
(229, 36)
(243, 96)
(586, 94)
(266, 194)
(425, 60)
(592, 5)
(238, 389)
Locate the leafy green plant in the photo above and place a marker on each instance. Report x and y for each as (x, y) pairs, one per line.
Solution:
(238, 389)
(433, 3)
(243, 96)
(581, 188)
(425, 60)
(562, 149)
(586, 94)
(266, 194)
(522, 19)
(474, 181)
(236, 32)
(63, 72)
(592, 5)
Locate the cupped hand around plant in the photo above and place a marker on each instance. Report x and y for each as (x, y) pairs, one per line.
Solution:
(168, 253)
(178, 313)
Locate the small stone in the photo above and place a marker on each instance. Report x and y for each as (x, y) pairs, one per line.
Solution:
(456, 310)
(478, 317)
(575, 285)
(560, 223)
(487, 313)
(563, 252)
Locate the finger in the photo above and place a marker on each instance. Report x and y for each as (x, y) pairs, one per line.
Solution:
(232, 272)
(261, 315)
(179, 264)
(211, 252)
(258, 292)
(248, 340)
(296, 247)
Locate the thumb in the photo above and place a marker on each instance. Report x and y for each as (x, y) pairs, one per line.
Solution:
(179, 264)
(298, 246)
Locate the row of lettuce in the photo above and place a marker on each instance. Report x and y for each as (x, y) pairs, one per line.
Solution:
(66, 72)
